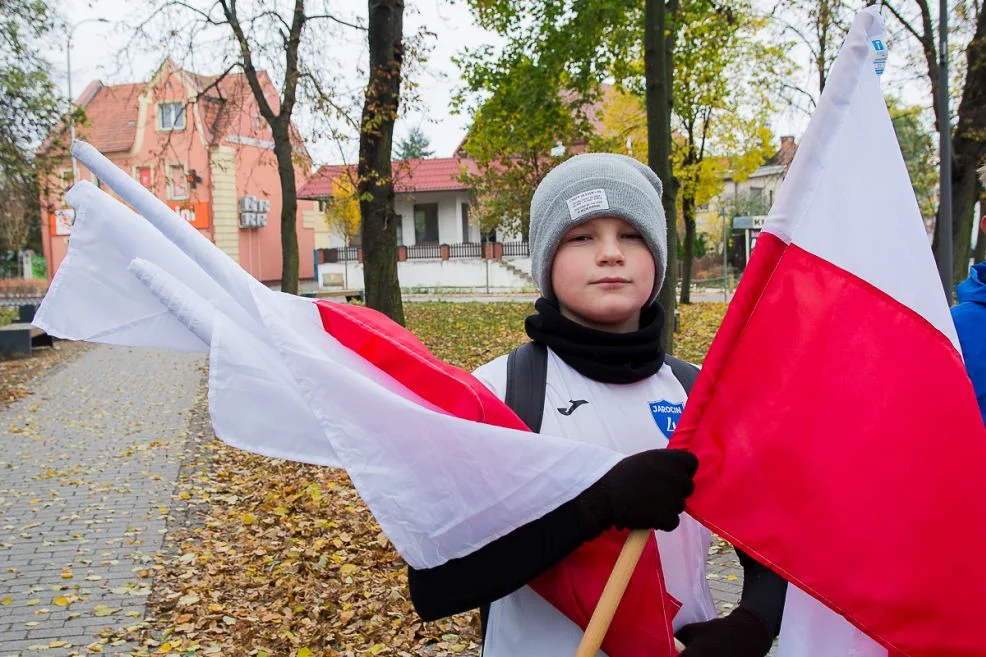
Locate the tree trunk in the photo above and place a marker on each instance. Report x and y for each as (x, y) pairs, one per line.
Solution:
(688, 212)
(963, 208)
(980, 253)
(968, 149)
(376, 184)
(289, 207)
(659, 72)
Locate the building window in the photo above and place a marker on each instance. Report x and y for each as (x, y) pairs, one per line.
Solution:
(465, 223)
(756, 192)
(171, 116)
(144, 176)
(399, 224)
(426, 223)
(179, 186)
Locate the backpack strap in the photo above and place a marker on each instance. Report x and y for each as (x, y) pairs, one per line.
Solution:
(685, 372)
(527, 380)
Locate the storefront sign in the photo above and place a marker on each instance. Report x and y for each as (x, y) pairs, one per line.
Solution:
(253, 212)
(194, 212)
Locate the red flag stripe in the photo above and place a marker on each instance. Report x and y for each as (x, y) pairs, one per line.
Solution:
(860, 479)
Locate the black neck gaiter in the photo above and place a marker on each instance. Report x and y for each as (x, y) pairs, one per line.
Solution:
(600, 355)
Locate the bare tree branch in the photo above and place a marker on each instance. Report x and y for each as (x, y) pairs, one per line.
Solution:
(810, 97)
(904, 22)
(253, 79)
(206, 17)
(335, 19)
(291, 57)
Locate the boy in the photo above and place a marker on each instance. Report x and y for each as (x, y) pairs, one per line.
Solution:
(598, 253)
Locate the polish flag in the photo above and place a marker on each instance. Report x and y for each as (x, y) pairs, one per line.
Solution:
(837, 433)
(444, 466)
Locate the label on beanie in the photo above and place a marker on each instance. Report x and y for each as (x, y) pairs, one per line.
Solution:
(586, 202)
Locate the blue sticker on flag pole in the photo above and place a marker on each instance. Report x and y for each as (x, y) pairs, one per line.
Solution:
(666, 415)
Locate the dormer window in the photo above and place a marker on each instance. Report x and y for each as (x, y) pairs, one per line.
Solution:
(171, 116)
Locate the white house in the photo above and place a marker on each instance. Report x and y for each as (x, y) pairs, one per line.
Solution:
(439, 246)
(764, 182)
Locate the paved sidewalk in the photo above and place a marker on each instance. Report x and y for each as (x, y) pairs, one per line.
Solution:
(87, 470)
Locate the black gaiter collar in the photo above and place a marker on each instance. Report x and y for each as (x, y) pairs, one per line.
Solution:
(600, 355)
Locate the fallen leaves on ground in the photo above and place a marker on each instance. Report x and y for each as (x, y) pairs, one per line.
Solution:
(16, 373)
(267, 557)
(699, 323)
(468, 334)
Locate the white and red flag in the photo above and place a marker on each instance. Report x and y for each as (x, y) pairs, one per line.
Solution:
(444, 466)
(837, 433)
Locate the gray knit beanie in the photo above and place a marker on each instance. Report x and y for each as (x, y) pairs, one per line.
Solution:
(596, 185)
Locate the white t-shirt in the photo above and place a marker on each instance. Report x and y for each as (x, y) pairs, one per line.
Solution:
(629, 418)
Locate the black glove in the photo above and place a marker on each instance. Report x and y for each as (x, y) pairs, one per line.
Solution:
(643, 491)
(740, 634)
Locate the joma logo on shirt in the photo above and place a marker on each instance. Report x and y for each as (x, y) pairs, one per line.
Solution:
(575, 403)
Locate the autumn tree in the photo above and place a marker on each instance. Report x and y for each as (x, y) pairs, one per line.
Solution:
(967, 25)
(523, 113)
(283, 42)
(720, 112)
(531, 97)
(342, 212)
(818, 26)
(31, 107)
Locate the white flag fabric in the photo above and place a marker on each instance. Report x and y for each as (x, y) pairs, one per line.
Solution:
(440, 486)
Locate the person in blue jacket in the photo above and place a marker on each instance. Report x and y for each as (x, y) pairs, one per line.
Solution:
(970, 323)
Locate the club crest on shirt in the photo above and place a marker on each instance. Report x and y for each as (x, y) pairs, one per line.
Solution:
(666, 414)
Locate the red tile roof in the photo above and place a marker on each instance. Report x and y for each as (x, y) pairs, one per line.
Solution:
(432, 175)
(111, 117)
(111, 111)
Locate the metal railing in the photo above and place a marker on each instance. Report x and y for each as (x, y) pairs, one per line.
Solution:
(516, 250)
(465, 250)
(338, 254)
(424, 251)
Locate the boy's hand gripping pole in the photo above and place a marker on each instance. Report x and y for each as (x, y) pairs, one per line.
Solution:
(613, 593)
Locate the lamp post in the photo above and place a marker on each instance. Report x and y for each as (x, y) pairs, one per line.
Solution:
(725, 259)
(71, 98)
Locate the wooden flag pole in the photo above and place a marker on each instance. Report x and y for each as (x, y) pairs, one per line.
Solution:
(602, 616)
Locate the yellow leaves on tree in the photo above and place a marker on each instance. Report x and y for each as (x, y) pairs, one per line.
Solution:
(341, 213)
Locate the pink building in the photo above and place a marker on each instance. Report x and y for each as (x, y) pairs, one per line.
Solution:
(201, 145)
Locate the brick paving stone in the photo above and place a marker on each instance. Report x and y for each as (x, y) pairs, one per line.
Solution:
(86, 464)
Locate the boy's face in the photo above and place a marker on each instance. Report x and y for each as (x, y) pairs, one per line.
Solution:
(603, 274)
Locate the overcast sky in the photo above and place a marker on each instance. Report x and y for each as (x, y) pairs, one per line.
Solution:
(96, 55)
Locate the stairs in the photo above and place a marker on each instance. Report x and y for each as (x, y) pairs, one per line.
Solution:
(519, 273)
